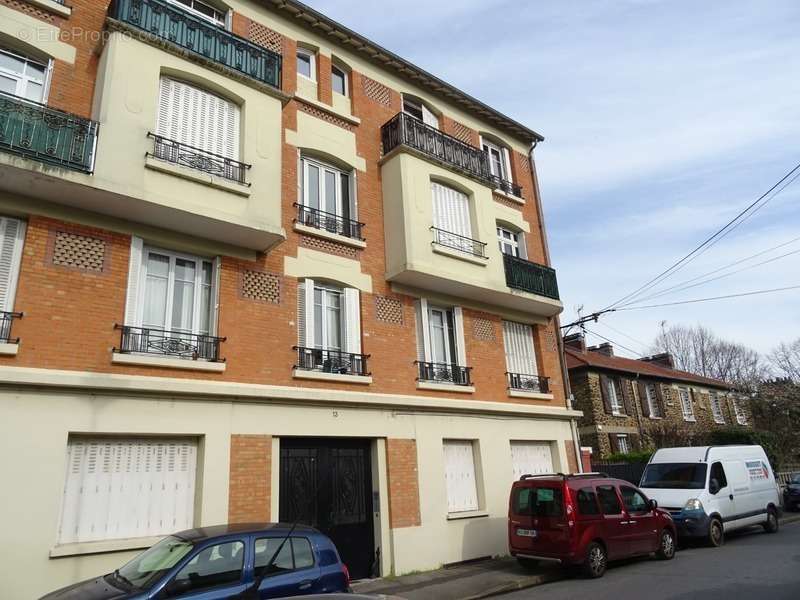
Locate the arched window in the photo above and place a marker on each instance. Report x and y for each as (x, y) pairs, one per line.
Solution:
(23, 76)
(307, 63)
(499, 159)
(416, 108)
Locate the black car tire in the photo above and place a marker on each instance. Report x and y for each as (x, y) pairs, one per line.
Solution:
(772, 523)
(666, 545)
(527, 563)
(596, 561)
(716, 534)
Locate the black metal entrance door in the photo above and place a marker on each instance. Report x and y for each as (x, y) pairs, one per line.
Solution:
(327, 483)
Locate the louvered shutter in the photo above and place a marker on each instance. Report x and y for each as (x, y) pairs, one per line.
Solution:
(12, 238)
(132, 314)
(423, 331)
(459, 474)
(458, 335)
(518, 341)
(532, 458)
(305, 313)
(127, 488)
(215, 279)
(352, 320)
(451, 210)
(604, 394)
(507, 164)
(627, 400)
(660, 399)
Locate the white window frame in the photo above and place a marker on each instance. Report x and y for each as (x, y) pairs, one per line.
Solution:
(687, 409)
(514, 239)
(623, 443)
(461, 475)
(321, 341)
(426, 115)
(22, 79)
(504, 159)
(741, 417)
(312, 63)
(519, 348)
(350, 305)
(449, 335)
(221, 21)
(422, 310)
(339, 174)
(716, 408)
(344, 75)
(614, 400)
(652, 401)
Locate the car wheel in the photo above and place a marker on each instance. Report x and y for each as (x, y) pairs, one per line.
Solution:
(771, 526)
(596, 561)
(716, 535)
(527, 563)
(666, 546)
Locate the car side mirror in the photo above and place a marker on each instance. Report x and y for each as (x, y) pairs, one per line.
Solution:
(176, 587)
(653, 504)
(713, 486)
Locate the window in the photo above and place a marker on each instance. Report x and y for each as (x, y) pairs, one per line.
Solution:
(609, 502)
(635, 503)
(587, 502)
(537, 502)
(614, 395)
(520, 356)
(306, 64)
(203, 10)
(22, 76)
(530, 458)
(498, 160)
(716, 407)
(451, 214)
(652, 401)
(510, 242)
(442, 336)
(440, 343)
(686, 404)
(12, 238)
(718, 473)
(295, 554)
(328, 194)
(622, 443)
(328, 319)
(214, 566)
(338, 80)
(459, 475)
(417, 109)
(127, 488)
(741, 417)
(192, 116)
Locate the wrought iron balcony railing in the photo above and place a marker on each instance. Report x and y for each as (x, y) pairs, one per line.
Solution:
(458, 242)
(504, 185)
(405, 130)
(319, 219)
(201, 160)
(443, 373)
(331, 361)
(46, 134)
(528, 383)
(191, 346)
(530, 277)
(6, 320)
(196, 35)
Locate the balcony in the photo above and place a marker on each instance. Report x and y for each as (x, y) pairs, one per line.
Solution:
(200, 160)
(333, 362)
(530, 277)
(431, 372)
(328, 222)
(506, 186)
(45, 134)
(8, 344)
(174, 344)
(521, 382)
(193, 34)
(459, 243)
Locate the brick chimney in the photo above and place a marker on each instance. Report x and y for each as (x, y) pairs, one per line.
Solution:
(576, 341)
(663, 360)
(604, 348)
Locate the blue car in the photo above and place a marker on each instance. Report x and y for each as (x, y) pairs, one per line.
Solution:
(243, 561)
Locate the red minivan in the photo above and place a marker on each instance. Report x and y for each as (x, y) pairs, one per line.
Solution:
(587, 520)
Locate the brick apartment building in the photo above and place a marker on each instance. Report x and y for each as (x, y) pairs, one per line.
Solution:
(629, 404)
(255, 267)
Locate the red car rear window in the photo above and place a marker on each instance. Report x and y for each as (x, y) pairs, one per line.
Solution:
(537, 502)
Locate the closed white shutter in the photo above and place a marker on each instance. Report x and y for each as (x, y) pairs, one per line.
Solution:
(352, 321)
(135, 282)
(518, 341)
(428, 117)
(530, 458)
(451, 210)
(305, 313)
(507, 164)
(423, 332)
(12, 238)
(459, 475)
(127, 488)
(458, 335)
(192, 116)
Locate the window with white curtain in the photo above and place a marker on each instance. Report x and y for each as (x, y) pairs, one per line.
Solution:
(614, 396)
(127, 487)
(716, 407)
(686, 404)
(451, 210)
(498, 159)
(511, 242)
(328, 319)
(442, 335)
(12, 238)
(652, 401)
(23, 76)
(460, 476)
(328, 188)
(623, 444)
(741, 417)
(190, 115)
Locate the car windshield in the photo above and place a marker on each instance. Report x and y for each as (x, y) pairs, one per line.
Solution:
(678, 476)
(147, 568)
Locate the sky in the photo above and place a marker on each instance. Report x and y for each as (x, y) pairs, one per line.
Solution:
(662, 120)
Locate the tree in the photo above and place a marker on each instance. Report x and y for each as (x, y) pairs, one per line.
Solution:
(776, 410)
(785, 360)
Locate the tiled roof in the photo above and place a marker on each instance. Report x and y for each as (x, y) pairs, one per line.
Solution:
(577, 360)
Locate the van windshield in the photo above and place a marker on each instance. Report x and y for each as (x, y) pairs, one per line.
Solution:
(678, 476)
(537, 502)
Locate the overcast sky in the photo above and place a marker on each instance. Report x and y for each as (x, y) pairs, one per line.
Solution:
(662, 121)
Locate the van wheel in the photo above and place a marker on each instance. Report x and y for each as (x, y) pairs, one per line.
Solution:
(666, 546)
(596, 561)
(771, 526)
(716, 535)
(527, 563)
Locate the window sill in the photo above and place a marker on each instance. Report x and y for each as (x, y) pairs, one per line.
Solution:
(9, 349)
(334, 237)
(342, 378)
(53, 7)
(197, 176)
(688, 420)
(720, 422)
(166, 362)
(656, 418)
(470, 514)
(99, 547)
(507, 196)
(446, 387)
(530, 395)
(326, 107)
(619, 415)
(444, 250)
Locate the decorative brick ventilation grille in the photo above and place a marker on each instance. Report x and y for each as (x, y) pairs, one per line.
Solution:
(79, 251)
(506, 202)
(329, 246)
(30, 10)
(462, 132)
(321, 114)
(376, 91)
(388, 310)
(264, 36)
(483, 329)
(524, 163)
(261, 286)
(551, 341)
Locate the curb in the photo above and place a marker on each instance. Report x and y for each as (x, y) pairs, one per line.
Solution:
(519, 584)
(789, 518)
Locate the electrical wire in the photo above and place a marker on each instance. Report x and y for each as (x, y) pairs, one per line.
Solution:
(602, 337)
(622, 333)
(755, 293)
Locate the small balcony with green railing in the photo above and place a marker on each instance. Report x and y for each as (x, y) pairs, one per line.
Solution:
(530, 277)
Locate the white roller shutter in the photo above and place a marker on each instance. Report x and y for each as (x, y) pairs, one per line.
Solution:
(518, 341)
(12, 238)
(451, 210)
(530, 458)
(352, 321)
(127, 487)
(459, 475)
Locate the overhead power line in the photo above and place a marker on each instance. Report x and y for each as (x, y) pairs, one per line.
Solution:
(602, 337)
(623, 334)
(755, 293)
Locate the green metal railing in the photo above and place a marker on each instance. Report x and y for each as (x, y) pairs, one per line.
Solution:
(46, 134)
(530, 277)
(198, 36)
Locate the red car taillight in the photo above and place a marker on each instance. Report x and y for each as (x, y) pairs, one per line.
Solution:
(346, 572)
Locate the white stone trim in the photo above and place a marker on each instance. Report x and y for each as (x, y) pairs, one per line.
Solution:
(530, 395)
(166, 362)
(53, 7)
(9, 349)
(219, 183)
(446, 387)
(452, 253)
(507, 196)
(103, 546)
(470, 514)
(334, 237)
(320, 376)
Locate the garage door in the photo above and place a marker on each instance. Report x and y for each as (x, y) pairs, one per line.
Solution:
(531, 458)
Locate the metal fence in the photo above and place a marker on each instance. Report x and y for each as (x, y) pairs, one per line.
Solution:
(631, 472)
(786, 473)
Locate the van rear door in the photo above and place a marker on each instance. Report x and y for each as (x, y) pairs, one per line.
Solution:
(538, 518)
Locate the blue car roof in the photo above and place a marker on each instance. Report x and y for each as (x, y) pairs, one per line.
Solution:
(213, 531)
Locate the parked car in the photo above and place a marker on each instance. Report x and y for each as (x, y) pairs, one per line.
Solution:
(710, 490)
(224, 561)
(585, 520)
(791, 493)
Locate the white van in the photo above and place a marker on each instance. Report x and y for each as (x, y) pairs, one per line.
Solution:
(709, 490)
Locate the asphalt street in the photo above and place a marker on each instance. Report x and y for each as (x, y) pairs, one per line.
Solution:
(751, 564)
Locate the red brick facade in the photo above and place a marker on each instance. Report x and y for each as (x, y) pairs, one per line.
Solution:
(401, 468)
(250, 479)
